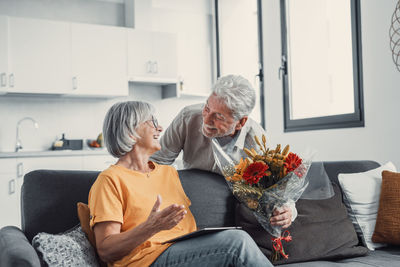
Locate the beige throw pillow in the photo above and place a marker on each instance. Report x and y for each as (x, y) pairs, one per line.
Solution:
(84, 218)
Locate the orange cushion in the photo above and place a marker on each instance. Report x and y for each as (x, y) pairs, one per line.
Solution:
(387, 228)
(84, 218)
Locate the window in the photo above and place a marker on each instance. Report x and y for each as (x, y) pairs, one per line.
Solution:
(239, 45)
(321, 64)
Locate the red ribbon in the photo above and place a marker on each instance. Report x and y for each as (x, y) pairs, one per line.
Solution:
(277, 243)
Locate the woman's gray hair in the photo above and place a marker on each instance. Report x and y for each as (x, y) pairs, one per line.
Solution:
(120, 123)
(237, 93)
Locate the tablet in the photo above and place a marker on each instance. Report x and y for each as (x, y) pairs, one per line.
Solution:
(202, 231)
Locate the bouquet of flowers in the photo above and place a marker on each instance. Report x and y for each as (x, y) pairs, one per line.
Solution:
(264, 181)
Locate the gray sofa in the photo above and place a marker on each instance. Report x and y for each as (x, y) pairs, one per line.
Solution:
(49, 205)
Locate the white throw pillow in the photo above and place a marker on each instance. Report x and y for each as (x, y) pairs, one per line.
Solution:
(362, 191)
(67, 249)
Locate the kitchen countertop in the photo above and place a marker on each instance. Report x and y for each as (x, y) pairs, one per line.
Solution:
(56, 153)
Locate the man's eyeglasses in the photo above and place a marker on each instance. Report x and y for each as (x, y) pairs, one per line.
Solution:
(155, 122)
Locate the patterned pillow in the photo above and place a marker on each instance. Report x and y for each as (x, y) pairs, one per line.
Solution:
(67, 249)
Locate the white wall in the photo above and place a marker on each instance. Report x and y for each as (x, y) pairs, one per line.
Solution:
(379, 139)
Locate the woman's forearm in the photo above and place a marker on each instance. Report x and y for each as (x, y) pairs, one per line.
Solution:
(114, 247)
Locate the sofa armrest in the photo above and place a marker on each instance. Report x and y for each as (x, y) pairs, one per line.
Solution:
(15, 249)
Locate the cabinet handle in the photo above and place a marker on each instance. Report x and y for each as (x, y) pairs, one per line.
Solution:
(74, 83)
(11, 187)
(20, 170)
(3, 78)
(11, 79)
(148, 67)
(154, 67)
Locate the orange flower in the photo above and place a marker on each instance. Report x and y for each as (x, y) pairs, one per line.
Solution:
(239, 169)
(254, 172)
(292, 161)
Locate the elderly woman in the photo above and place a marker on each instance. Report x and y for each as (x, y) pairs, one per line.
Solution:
(136, 205)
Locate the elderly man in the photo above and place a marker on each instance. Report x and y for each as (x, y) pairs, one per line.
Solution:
(225, 117)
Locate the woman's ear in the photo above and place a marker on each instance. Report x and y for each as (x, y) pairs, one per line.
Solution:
(134, 138)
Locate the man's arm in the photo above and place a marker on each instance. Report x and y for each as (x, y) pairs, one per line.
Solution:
(171, 142)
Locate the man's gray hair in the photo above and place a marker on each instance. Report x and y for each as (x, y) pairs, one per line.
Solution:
(237, 93)
(120, 123)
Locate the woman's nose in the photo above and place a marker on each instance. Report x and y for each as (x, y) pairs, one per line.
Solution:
(160, 128)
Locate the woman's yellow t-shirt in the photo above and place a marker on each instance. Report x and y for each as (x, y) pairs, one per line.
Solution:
(126, 196)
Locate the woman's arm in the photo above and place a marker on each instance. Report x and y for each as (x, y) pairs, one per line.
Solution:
(113, 245)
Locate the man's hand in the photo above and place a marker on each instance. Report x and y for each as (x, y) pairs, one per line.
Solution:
(282, 217)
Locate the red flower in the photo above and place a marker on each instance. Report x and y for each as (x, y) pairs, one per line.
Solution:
(254, 172)
(292, 161)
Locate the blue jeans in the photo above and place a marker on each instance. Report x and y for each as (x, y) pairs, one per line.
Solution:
(225, 248)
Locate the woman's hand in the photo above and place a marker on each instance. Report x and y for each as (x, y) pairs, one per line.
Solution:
(282, 217)
(112, 245)
(167, 218)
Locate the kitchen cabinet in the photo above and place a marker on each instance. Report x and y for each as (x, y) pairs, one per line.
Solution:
(52, 57)
(9, 195)
(13, 170)
(38, 56)
(3, 54)
(26, 165)
(99, 60)
(152, 57)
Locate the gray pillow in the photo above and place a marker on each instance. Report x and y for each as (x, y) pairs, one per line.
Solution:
(321, 230)
(70, 248)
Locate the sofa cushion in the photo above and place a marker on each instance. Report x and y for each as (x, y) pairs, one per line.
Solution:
(383, 257)
(212, 201)
(67, 249)
(48, 200)
(15, 250)
(362, 192)
(315, 231)
(387, 228)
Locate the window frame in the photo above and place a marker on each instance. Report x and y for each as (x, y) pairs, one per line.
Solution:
(355, 119)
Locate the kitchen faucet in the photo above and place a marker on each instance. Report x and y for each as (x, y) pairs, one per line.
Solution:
(18, 144)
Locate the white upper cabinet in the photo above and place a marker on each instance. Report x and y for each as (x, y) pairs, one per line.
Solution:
(99, 60)
(152, 57)
(53, 57)
(39, 56)
(3, 54)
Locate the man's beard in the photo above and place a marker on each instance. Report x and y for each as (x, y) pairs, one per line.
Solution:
(230, 131)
